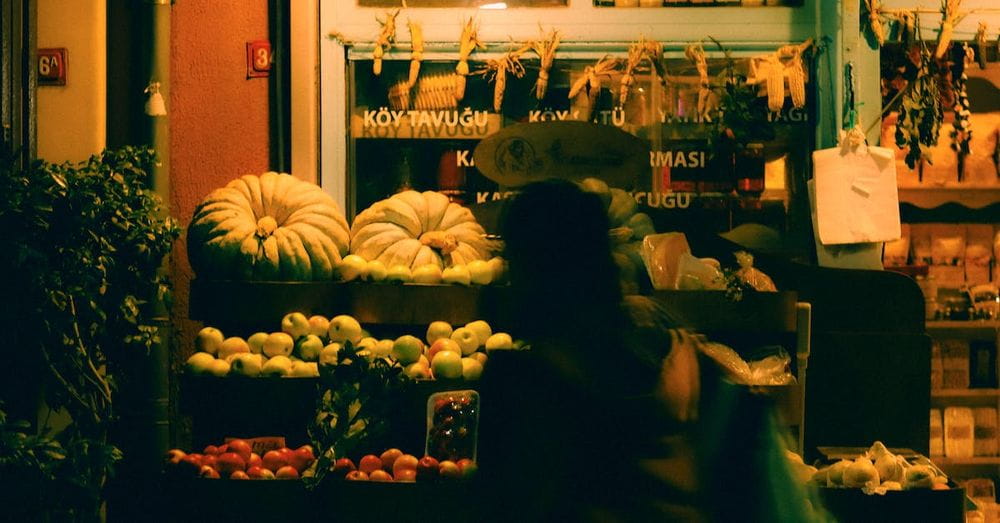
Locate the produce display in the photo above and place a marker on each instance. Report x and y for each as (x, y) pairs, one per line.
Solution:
(452, 424)
(876, 471)
(395, 465)
(628, 228)
(423, 238)
(236, 459)
(267, 227)
(306, 343)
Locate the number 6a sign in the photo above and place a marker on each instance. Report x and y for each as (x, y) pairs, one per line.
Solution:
(52, 66)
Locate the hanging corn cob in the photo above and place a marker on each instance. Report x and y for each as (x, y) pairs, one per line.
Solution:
(795, 72)
(981, 45)
(961, 132)
(875, 20)
(635, 53)
(546, 51)
(385, 39)
(468, 43)
(949, 17)
(497, 70)
(696, 54)
(907, 27)
(592, 80)
(654, 52)
(417, 52)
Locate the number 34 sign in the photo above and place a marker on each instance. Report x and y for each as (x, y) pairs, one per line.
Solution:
(52, 66)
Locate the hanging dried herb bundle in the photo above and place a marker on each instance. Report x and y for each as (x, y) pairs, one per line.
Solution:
(981, 44)
(920, 113)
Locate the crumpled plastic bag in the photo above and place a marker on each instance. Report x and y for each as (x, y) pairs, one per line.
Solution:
(699, 274)
(768, 366)
(752, 276)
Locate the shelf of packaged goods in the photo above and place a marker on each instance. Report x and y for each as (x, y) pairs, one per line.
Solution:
(977, 461)
(965, 393)
(973, 197)
(964, 330)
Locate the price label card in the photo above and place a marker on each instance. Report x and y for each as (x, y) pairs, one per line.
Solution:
(52, 66)
(259, 59)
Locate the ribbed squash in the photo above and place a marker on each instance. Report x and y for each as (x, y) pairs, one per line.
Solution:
(628, 228)
(267, 227)
(413, 228)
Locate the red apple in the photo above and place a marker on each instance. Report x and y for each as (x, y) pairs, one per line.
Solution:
(210, 450)
(369, 464)
(258, 472)
(190, 465)
(449, 469)
(255, 460)
(230, 462)
(467, 467)
(301, 458)
(241, 447)
(379, 475)
(210, 460)
(286, 453)
(342, 466)
(356, 475)
(173, 457)
(389, 457)
(273, 460)
(427, 468)
(287, 472)
(405, 475)
(208, 473)
(405, 462)
(441, 344)
(223, 449)
(239, 474)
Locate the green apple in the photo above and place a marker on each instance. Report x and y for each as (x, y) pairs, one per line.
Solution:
(328, 356)
(471, 369)
(304, 369)
(437, 330)
(456, 274)
(446, 365)
(295, 324)
(499, 268)
(375, 271)
(308, 347)
(383, 348)
(466, 339)
(407, 349)
(500, 340)
(351, 267)
(367, 343)
(318, 325)
(399, 274)
(427, 273)
(481, 357)
(200, 363)
(441, 344)
(233, 345)
(218, 368)
(417, 371)
(344, 328)
(246, 364)
(278, 344)
(482, 329)
(256, 342)
(208, 340)
(277, 366)
(480, 272)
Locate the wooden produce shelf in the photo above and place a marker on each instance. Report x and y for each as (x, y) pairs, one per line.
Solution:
(973, 461)
(973, 197)
(964, 330)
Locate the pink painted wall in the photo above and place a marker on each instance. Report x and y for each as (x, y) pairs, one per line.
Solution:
(218, 120)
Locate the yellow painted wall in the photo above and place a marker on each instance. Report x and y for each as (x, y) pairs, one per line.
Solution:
(72, 118)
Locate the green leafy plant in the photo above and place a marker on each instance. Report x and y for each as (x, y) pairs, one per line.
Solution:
(83, 246)
(743, 118)
(357, 402)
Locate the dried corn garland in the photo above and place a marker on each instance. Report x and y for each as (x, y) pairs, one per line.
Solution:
(469, 42)
(592, 79)
(696, 54)
(961, 132)
(385, 39)
(920, 113)
(635, 53)
(875, 20)
(949, 17)
(795, 72)
(546, 51)
(981, 44)
(417, 52)
(654, 52)
(497, 70)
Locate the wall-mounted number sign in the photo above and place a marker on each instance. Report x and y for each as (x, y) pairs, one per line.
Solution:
(259, 59)
(52, 66)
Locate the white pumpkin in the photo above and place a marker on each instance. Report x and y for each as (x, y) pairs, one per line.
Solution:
(267, 227)
(411, 228)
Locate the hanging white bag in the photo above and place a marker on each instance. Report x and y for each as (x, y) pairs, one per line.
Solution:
(856, 195)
